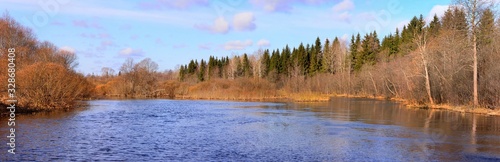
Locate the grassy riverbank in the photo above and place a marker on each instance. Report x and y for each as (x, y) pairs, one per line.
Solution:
(266, 94)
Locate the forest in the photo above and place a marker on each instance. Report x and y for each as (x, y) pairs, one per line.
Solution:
(426, 63)
(451, 60)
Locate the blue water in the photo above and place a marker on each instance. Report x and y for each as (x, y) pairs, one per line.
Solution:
(170, 130)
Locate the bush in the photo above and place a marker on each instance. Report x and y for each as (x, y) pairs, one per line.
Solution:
(45, 86)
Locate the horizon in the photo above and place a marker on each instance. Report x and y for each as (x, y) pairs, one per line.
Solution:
(105, 34)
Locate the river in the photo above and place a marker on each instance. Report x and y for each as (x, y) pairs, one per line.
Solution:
(181, 130)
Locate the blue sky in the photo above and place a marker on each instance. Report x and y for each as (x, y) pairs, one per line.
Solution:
(172, 32)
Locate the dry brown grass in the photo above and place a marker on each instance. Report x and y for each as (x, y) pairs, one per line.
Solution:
(223, 89)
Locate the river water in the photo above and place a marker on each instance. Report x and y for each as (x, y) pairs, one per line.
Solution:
(180, 130)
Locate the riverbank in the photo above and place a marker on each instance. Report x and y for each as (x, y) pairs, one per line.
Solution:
(462, 108)
(316, 97)
(282, 96)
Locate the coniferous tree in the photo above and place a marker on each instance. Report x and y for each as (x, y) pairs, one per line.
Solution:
(327, 60)
(201, 72)
(274, 65)
(265, 64)
(302, 59)
(434, 26)
(247, 68)
(319, 55)
(312, 55)
(285, 60)
(192, 67)
(355, 52)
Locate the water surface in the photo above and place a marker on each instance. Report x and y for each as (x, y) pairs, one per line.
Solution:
(171, 130)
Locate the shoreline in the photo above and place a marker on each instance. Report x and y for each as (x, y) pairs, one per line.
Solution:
(313, 97)
(296, 98)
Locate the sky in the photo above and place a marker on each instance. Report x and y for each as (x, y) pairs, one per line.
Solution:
(172, 32)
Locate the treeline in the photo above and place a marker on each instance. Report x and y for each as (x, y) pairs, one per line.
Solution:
(424, 63)
(446, 61)
(45, 78)
(133, 80)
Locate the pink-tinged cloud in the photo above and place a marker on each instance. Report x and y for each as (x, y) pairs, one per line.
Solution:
(437, 10)
(282, 5)
(345, 5)
(159, 41)
(57, 23)
(205, 46)
(96, 36)
(263, 43)
(244, 21)
(85, 24)
(220, 26)
(273, 5)
(104, 45)
(237, 45)
(344, 16)
(130, 52)
(67, 49)
(173, 4)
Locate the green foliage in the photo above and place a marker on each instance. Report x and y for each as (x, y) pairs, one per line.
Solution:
(326, 61)
(275, 61)
(285, 61)
(434, 26)
(201, 72)
(247, 68)
(486, 28)
(265, 63)
(356, 60)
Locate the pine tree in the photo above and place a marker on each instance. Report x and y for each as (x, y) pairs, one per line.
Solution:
(201, 72)
(327, 59)
(396, 43)
(302, 59)
(284, 60)
(319, 54)
(182, 73)
(486, 28)
(434, 26)
(275, 59)
(192, 67)
(312, 55)
(265, 64)
(247, 68)
(355, 52)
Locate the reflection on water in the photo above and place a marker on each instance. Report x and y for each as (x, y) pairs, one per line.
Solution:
(341, 130)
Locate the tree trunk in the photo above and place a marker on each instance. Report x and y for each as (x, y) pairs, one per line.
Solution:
(474, 51)
(428, 83)
(422, 43)
(474, 46)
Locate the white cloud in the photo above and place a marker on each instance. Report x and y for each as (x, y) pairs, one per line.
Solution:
(67, 49)
(438, 10)
(282, 5)
(206, 46)
(220, 26)
(345, 38)
(130, 52)
(244, 21)
(272, 5)
(345, 5)
(263, 43)
(401, 24)
(344, 16)
(173, 4)
(237, 45)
